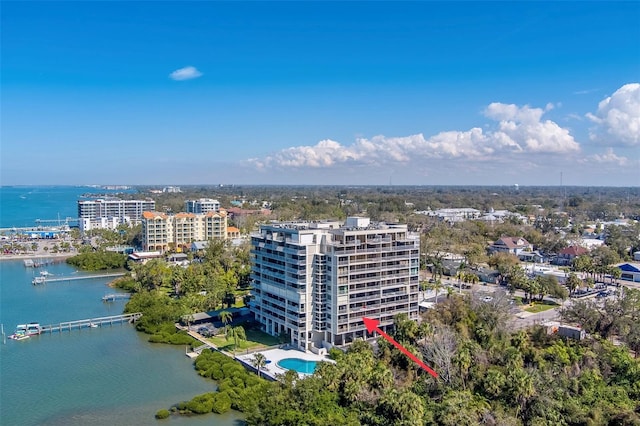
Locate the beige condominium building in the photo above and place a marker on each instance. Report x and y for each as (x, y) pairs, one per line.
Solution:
(315, 281)
(167, 232)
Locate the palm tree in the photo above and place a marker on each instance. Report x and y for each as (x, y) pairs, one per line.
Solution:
(463, 360)
(259, 361)
(237, 334)
(616, 273)
(437, 286)
(522, 388)
(226, 317)
(573, 282)
(473, 279)
(449, 292)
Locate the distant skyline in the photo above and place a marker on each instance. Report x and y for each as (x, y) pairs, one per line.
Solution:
(336, 93)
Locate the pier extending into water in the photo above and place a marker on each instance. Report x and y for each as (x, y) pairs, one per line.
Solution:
(46, 279)
(115, 296)
(90, 323)
(38, 262)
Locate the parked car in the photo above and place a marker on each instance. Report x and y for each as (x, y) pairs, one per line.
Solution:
(206, 331)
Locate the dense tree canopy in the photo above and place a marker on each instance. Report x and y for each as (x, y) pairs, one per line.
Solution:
(486, 376)
(97, 261)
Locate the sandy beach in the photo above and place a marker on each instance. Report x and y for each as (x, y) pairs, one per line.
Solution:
(40, 253)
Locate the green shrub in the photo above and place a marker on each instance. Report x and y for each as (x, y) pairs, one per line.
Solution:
(180, 338)
(158, 338)
(221, 403)
(201, 404)
(96, 261)
(215, 372)
(335, 354)
(162, 414)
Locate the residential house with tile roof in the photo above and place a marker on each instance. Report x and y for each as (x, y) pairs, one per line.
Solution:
(567, 255)
(513, 245)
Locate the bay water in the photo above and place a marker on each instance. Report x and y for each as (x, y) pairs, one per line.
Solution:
(21, 206)
(109, 375)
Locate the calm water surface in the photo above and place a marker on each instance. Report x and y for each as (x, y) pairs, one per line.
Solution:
(20, 206)
(101, 376)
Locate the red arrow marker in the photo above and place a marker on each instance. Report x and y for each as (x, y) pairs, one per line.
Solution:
(372, 325)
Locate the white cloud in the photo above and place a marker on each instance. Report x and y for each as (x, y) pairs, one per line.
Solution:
(585, 92)
(618, 117)
(186, 73)
(609, 158)
(574, 116)
(519, 131)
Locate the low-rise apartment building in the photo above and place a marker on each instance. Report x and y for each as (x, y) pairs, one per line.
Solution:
(315, 281)
(167, 232)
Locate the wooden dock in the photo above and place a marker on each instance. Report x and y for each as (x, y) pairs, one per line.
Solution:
(37, 263)
(81, 277)
(115, 296)
(90, 323)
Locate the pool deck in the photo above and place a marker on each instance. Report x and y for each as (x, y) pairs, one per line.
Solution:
(275, 355)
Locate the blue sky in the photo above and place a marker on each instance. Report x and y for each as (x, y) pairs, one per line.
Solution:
(320, 93)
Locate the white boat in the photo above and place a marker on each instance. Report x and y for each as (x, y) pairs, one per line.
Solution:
(24, 331)
(19, 336)
(39, 280)
(45, 273)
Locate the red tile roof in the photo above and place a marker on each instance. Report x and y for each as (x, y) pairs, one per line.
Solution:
(153, 215)
(574, 251)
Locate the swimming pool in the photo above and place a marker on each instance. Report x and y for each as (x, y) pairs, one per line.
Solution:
(297, 364)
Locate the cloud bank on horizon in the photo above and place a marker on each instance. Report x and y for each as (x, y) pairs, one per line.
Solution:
(516, 133)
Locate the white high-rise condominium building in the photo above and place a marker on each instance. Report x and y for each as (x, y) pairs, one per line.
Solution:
(109, 213)
(202, 205)
(316, 281)
(114, 207)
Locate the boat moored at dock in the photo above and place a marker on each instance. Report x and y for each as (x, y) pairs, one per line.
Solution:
(39, 280)
(24, 331)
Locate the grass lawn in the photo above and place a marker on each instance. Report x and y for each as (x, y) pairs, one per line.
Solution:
(538, 306)
(255, 339)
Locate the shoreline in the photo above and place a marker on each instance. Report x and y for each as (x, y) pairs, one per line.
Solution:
(60, 256)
